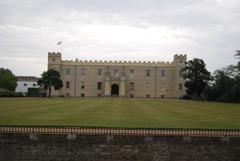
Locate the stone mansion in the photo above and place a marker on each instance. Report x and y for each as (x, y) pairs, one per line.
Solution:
(119, 78)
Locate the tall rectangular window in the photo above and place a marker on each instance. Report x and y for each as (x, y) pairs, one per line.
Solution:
(99, 85)
(180, 86)
(67, 84)
(68, 71)
(131, 71)
(180, 73)
(148, 73)
(82, 71)
(131, 85)
(162, 73)
(99, 71)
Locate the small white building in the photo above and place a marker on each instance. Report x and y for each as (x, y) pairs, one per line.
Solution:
(25, 82)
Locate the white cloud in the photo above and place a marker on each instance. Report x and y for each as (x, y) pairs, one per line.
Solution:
(119, 30)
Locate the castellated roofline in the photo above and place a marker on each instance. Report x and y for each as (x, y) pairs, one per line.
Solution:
(114, 62)
(54, 54)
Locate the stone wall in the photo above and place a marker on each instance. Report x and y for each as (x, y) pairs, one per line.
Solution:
(19, 147)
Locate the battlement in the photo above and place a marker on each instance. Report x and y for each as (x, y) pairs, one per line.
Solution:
(180, 56)
(116, 63)
(54, 54)
(177, 58)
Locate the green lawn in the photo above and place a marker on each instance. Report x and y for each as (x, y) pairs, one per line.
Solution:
(114, 112)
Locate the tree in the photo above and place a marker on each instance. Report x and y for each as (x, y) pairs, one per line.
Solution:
(7, 79)
(226, 84)
(49, 79)
(197, 77)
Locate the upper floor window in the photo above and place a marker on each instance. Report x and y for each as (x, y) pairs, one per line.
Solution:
(131, 71)
(131, 85)
(162, 73)
(67, 84)
(147, 85)
(99, 71)
(82, 71)
(25, 84)
(180, 86)
(148, 73)
(53, 59)
(180, 73)
(99, 85)
(67, 71)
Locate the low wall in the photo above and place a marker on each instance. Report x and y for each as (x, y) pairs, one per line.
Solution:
(79, 147)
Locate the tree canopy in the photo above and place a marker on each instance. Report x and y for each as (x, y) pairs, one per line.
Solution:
(7, 79)
(226, 84)
(197, 77)
(49, 79)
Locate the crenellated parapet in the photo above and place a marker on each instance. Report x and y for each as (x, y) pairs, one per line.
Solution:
(54, 54)
(116, 63)
(178, 60)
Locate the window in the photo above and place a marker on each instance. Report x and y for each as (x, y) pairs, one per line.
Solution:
(82, 95)
(67, 94)
(162, 96)
(148, 96)
(147, 85)
(83, 86)
(25, 84)
(131, 71)
(34, 85)
(53, 59)
(82, 71)
(131, 95)
(180, 73)
(67, 84)
(67, 71)
(148, 73)
(99, 71)
(180, 86)
(99, 95)
(99, 85)
(162, 73)
(131, 86)
(115, 71)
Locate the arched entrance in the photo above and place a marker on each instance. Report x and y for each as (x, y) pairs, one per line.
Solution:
(115, 90)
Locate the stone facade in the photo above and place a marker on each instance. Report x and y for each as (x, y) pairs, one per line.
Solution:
(119, 78)
(25, 147)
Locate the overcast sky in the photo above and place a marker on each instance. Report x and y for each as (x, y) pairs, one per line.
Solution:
(151, 30)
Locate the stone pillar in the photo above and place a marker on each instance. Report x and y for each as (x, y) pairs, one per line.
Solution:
(107, 87)
(122, 87)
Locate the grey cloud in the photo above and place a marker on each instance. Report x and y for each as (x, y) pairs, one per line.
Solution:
(208, 29)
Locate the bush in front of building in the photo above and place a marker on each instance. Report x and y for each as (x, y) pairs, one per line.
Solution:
(12, 94)
(33, 92)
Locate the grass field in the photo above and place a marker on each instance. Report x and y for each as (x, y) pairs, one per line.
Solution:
(113, 112)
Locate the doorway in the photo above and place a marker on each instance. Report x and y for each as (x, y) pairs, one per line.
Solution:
(115, 90)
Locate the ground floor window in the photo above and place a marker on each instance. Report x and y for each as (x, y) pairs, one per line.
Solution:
(67, 84)
(148, 96)
(131, 95)
(162, 96)
(82, 95)
(99, 85)
(180, 86)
